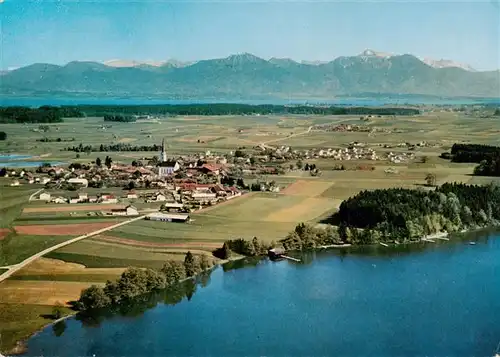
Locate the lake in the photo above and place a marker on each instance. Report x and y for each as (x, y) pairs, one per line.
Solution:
(440, 299)
(14, 161)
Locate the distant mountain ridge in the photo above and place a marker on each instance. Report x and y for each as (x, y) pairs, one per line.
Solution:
(245, 75)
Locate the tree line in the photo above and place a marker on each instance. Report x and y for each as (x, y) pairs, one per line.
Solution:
(137, 282)
(120, 118)
(473, 153)
(236, 109)
(112, 148)
(55, 140)
(43, 114)
(405, 215)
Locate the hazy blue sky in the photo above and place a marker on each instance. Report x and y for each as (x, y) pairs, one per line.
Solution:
(62, 31)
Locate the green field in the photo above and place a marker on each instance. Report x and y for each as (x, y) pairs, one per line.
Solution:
(16, 248)
(19, 321)
(12, 201)
(225, 133)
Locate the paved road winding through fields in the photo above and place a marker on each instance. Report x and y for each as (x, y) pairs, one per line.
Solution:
(16, 267)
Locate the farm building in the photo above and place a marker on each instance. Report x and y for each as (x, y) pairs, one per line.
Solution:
(44, 196)
(173, 206)
(59, 200)
(79, 181)
(168, 217)
(107, 198)
(157, 197)
(74, 198)
(132, 194)
(127, 211)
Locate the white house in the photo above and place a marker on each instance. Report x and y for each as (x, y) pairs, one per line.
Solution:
(132, 194)
(44, 196)
(15, 183)
(59, 200)
(127, 211)
(44, 180)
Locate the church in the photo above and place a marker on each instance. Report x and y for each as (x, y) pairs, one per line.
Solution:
(166, 167)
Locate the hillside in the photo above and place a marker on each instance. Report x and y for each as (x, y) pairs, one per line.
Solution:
(246, 75)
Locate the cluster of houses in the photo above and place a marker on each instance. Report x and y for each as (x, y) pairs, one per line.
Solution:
(398, 158)
(78, 197)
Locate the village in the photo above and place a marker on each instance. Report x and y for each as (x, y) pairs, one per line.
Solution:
(183, 184)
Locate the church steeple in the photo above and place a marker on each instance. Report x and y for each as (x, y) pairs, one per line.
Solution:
(163, 154)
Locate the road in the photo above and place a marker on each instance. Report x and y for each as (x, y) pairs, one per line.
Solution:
(36, 193)
(16, 267)
(288, 137)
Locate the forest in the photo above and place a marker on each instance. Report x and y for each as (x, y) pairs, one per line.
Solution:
(473, 153)
(43, 114)
(488, 167)
(235, 109)
(406, 215)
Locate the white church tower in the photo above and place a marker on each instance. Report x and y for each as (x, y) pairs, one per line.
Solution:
(163, 153)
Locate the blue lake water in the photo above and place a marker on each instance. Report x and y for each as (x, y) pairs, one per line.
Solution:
(439, 299)
(14, 161)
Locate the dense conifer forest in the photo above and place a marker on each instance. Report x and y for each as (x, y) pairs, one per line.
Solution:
(405, 215)
(236, 109)
(131, 113)
(473, 152)
(43, 114)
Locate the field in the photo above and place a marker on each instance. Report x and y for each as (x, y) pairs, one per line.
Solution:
(224, 133)
(72, 208)
(26, 228)
(62, 229)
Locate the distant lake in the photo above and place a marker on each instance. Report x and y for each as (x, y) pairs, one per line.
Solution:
(399, 100)
(14, 161)
(440, 299)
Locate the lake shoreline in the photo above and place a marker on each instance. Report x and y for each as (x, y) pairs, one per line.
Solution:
(20, 346)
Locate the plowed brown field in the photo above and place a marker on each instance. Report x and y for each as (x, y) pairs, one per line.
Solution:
(62, 229)
(158, 245)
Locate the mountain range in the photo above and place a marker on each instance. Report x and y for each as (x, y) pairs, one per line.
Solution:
(247, 76)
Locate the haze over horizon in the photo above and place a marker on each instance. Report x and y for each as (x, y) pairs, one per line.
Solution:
(63, 31)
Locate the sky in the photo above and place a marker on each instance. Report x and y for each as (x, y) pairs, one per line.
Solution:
(59, 31)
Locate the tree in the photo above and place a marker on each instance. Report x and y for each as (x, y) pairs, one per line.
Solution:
(98, 162)
(226, 251)
(174, 272)
(108, 161)
(191, 264)
(3, 172)
(77, 156)
(57, 310)
(252, 161)
(93, 298)
(3, 135)
(205, 262)
(430, 179)
(299, 164)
